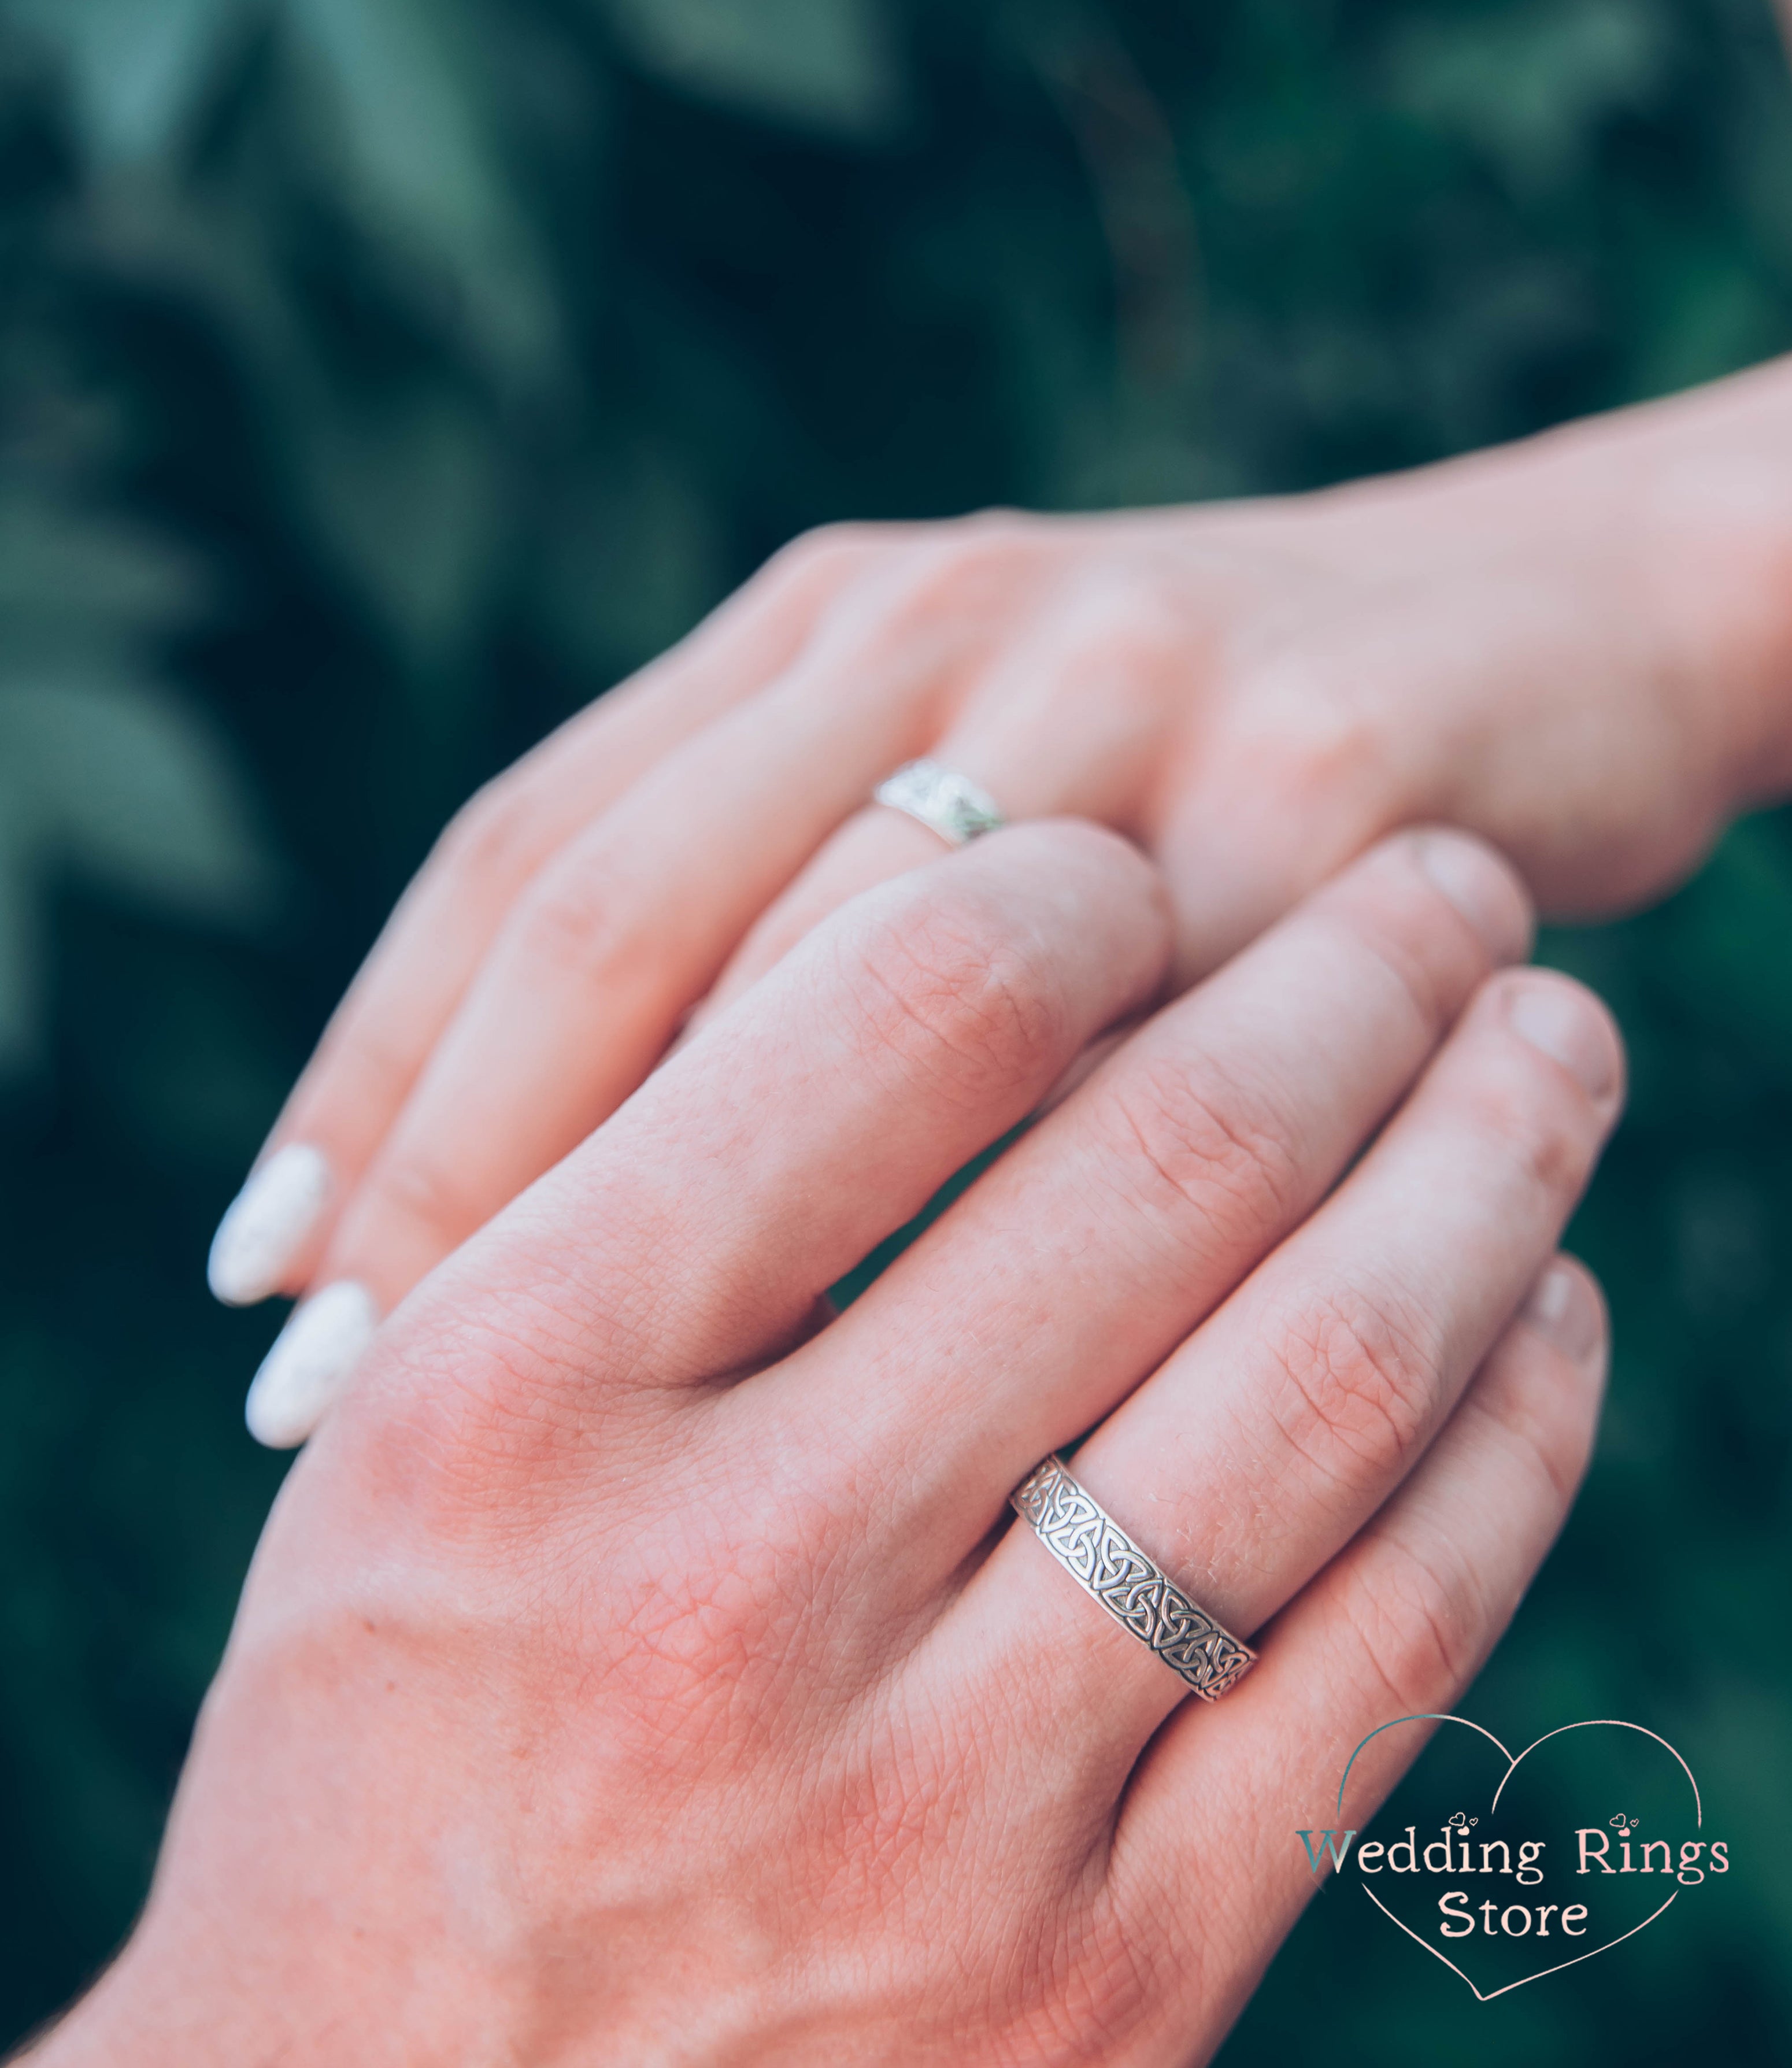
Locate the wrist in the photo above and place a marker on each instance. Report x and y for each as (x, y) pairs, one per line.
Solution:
(1675, 519)
(1713, 489)
(1693, 497)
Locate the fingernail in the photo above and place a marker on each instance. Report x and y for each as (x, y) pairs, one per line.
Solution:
(309, 1364)
(1562, 1308)
(1481, 888)
(267, 1224)
(1562, 1020)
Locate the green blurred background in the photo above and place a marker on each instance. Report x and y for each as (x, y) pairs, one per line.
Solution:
(381, 379)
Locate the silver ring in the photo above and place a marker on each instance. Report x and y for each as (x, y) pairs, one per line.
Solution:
(944, 801)
(1103, 1561)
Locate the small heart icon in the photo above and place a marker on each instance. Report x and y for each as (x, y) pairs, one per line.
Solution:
(1541, 1870)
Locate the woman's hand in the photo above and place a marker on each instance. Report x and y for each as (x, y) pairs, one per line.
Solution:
(633, 1672)
(1579, 649)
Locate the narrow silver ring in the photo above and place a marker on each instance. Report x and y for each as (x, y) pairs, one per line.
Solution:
(1105, 1562)
(943, 800)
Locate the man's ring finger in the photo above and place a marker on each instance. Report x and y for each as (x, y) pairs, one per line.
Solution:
(1104, 1560)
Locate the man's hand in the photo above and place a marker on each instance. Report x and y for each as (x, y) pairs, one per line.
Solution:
(632, 1672)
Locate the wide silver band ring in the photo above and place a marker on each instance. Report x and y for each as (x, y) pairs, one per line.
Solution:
(1103, 1561)
(943, 800)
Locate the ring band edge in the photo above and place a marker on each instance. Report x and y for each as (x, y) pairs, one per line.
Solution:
(947, 802)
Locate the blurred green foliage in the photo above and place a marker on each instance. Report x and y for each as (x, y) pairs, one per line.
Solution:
(380, 379)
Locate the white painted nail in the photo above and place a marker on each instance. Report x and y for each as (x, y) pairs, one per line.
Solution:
(309, 1364)
(267, 1224)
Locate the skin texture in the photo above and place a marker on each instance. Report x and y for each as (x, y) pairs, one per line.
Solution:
(633, 1670)
(1579, 648)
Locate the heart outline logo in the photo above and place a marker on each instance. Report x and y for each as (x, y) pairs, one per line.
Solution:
(1512, 1764)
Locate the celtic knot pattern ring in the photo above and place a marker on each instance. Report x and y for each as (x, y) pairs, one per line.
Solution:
(1104, 1560)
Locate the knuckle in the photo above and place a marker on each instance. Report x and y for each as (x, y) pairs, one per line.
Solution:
(1550, 1439)
(828, 554)
(1131, 616)
(1359, 1366)
(1000, 519)
(962, 556)
(996, 531)
(1415, 951)
(447, 1443)
(370, 1065)
(1540, 1139)
(1222, 1146)
(413, 1189)
(497, 836)
(503, 1395)
(958, 1000)
(1421, 1627)
(957, 577)
(579, 921)
(1544, 1418)
(1396, 942)
(1291, 714)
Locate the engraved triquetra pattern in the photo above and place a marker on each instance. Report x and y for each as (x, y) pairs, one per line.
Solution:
(1102, 1558)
